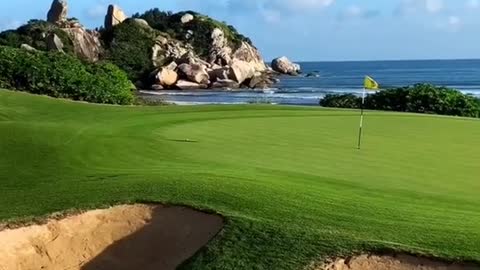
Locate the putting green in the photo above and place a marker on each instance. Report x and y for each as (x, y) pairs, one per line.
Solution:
(289, 180)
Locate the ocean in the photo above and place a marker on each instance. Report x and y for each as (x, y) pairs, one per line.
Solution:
(342, 77)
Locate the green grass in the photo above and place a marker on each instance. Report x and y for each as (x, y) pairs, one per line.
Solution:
(289, 180)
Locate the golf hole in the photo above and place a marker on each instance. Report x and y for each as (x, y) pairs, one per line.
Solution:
(121, 238)
(393, 262)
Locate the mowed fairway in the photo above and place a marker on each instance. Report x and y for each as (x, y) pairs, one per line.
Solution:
(289, 180)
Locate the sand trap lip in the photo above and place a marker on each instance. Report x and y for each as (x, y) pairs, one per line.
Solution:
(122, 237)
(393, 262)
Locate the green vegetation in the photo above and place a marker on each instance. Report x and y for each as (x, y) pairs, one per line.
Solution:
(289, 180)
(131, 39)
(201, 27)
(129, 46)
(60, 75)
(34, 33)
(420, 98)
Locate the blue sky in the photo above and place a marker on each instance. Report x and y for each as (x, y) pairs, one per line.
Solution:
(312, 29)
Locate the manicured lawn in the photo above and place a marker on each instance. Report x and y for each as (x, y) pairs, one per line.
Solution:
(289, 180)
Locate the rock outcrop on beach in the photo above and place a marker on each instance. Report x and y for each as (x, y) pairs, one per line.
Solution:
(158, 50)
(284, 66)
(201, 50)
(86, 43)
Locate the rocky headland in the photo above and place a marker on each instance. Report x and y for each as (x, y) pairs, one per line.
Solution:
(158, 50)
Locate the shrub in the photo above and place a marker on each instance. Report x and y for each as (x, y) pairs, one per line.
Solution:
(202, 27)
(341, 101)
(34, 33)
(129, 46)
(60, 75)
(420, 98)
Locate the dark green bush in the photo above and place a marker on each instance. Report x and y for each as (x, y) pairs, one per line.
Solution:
(34, 33)
(341, 101)
(420, 98)
(60, 75)
(202, 27)
(129, 46)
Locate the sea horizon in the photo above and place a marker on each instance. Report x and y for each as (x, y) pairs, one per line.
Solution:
(383, 60)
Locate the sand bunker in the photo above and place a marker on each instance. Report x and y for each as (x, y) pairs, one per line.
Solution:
(123, 237)
(398, 262)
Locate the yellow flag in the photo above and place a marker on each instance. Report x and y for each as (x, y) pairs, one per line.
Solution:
(370, 84)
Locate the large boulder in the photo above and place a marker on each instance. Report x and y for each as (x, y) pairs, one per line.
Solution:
(191, 58)
(141, 22)
(158, 55)
(166, 77)
(166, 48)
(219, 73)
(251, 55)
(186, 85)
(187, 18)
(194, 73)
(58, 11)
(285, 66)
(54, 43)
(261, 81)
(241, 71)
(115, 15)
(220, 53)
(225, 84)
(86, 43)
(27, 48)
(157, 87)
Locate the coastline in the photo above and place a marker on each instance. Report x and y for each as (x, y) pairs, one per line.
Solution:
(273, 96)
(339, 78)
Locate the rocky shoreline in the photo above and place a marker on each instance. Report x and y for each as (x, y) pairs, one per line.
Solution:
(226, 61)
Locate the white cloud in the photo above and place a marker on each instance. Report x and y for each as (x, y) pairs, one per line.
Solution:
(354, 11)
(296, 5)
(273, 11)
(454, 22)
(473, 4)
(307, 4)
(407, 7)
(271, 16)
(434, 6)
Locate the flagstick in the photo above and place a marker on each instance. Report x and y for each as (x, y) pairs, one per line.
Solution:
(361, 121)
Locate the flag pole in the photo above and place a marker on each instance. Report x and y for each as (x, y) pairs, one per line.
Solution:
(360, 130)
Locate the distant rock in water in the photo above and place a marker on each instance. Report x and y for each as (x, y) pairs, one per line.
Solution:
(285, 66)
(58, 11)
(115, 16)
(313, 75)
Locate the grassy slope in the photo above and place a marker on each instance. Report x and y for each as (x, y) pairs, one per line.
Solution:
(289, 180)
